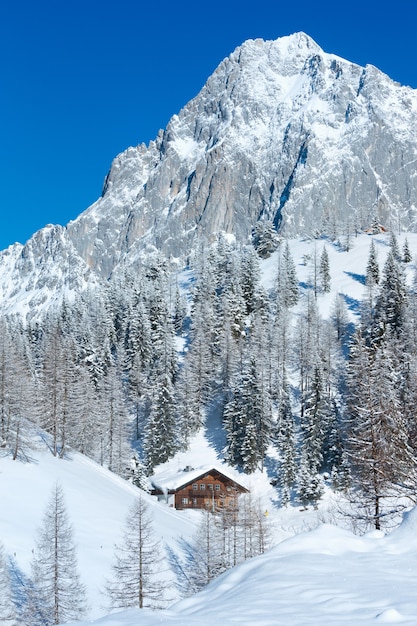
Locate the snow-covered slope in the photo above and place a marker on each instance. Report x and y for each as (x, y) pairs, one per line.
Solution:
(97, 503)
(325, 576)
(281, 130)
(328, 575)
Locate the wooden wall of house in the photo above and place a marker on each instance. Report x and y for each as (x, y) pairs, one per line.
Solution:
(208, 492)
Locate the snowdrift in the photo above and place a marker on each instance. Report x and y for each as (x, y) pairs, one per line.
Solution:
(325, 576)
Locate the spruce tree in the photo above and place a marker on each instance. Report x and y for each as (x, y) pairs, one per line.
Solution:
(324, 271)
(391, 304)
(162, 437)
(247, 419)
(265, 238)
(315, 422)
(287, 282)
(309, 484)
(407, 258)
(285, 438)
(340, 317)
(394, 247)
(249, 276)
(372, 267)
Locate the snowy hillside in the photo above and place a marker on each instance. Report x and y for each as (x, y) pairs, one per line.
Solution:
(97, 504)
(203, 312)
(325, 575)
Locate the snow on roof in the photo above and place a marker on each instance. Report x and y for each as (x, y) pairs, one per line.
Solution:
(167, 480)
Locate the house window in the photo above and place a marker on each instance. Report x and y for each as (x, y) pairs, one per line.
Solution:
(217, 487)
(184, 500)
(194, 501)
(202, 487)
(195, 486)
(210, 486)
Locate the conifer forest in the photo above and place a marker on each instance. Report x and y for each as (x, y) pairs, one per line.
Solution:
(127, 373)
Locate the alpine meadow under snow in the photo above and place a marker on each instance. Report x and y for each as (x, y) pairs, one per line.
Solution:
(243, 296)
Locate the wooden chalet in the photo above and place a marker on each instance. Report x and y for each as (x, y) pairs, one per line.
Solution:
(198, 489)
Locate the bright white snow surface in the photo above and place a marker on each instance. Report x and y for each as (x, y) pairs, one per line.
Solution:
(326, 576)
(316, 573)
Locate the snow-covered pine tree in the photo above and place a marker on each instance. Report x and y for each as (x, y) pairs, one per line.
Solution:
(58, 595)
(205, 558)
(199, 362)
(136, 581)
(180, 311)
(162, 436)
(86, 415)
(372, 267)
(249, 452)
(115, 431)
(324, 271)
(137, 355)
(307, 345)
(249, 277)
(406, 257)
(391, 304)
(137, 473)
(286, 443)
(7, 605)
(394, 247)
(378, 446)
(189, 404)
(315, 422)
(340, 317)
(287, 290)
(265, 238)
(247, 419)
(309, 484)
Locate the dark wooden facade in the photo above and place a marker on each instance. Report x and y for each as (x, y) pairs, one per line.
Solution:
(209, 490)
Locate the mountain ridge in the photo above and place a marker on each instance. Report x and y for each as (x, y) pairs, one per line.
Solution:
(281, 131)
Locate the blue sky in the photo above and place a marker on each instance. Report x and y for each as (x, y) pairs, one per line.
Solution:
(81, 81)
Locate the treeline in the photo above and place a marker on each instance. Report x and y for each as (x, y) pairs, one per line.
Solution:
(128, 373)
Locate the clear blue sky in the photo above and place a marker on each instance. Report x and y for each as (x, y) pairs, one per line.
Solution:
(82, 80)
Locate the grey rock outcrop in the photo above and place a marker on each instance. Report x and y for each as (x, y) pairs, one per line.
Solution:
(281, 131)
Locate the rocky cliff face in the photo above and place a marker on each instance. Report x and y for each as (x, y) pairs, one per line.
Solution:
(281, 131)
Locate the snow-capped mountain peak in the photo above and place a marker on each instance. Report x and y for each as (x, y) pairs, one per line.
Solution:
(281, 131)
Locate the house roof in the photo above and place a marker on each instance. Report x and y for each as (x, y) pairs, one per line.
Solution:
(170, 482)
